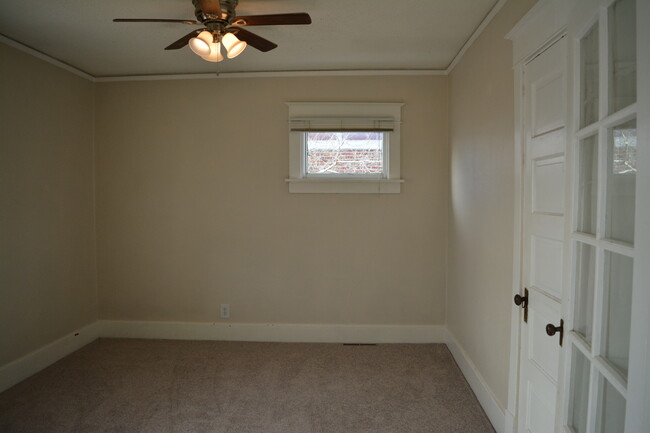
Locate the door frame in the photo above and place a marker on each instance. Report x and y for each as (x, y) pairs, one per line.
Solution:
(639, 377)
(544, 25)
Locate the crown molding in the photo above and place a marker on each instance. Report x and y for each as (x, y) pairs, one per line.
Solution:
(274, 74)
(49, 59)
(487, 20)
(267, 74)
(213, 75)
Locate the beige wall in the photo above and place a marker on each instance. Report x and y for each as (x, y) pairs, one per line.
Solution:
(481, 213)
(193, 209)
(47, 265)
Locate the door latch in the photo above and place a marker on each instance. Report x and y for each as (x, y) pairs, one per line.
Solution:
(522, 301)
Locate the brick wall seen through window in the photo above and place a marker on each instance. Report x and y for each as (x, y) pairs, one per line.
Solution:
(348, 152)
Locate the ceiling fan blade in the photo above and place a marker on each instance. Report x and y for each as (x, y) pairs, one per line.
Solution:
(273, 20)
(154, 20)
(210, 7)
(252, 39)
(184, 40)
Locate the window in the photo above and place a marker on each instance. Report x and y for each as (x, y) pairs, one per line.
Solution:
(345, 153)
(344, 147)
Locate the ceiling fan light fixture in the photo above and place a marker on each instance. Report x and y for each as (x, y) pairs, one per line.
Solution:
(200, 45)
(220, 25)
(233, 45)
(215, 53)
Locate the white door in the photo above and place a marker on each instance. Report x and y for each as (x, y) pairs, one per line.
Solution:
(602, 322)
(543, 237)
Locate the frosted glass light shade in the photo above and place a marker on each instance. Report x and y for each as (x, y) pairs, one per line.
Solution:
(200, 45)
(215, 53)
(233, 45)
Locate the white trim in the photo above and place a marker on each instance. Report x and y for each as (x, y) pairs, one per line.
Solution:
(495, 413)
(21, 368)
(541, 26)
(275, 74)
(213, 75)
(273, 332)
(510, 422)
(42, 56)
(344, 186)
(486, 21)
(347, 104)
(30, 364)
(516, 313)
(269, 74)
(526, 20)
(389, 183)
(638, 391)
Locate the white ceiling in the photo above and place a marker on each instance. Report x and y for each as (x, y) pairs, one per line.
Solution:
(344, 34)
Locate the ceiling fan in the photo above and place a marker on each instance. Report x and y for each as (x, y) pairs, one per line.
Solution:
(222, 26)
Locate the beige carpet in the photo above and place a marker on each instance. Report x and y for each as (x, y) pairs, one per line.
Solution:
(164, 386)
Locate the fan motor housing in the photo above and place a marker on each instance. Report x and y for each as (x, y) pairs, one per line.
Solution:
(227, 12)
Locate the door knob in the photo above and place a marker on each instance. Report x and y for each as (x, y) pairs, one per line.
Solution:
(522, 301)
(551, 330)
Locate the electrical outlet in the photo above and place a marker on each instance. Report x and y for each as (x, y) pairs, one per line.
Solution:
(225, 311)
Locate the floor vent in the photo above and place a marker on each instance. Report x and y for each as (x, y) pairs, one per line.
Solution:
(359, 344)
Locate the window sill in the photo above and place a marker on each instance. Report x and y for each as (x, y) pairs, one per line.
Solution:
(344, 186)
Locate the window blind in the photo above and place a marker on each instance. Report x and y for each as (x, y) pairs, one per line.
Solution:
(342, 124)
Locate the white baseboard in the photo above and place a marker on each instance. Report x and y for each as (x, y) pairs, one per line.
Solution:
(32, 363)
(510, 422)
(287, 333)
(483, 393)
(20, 369)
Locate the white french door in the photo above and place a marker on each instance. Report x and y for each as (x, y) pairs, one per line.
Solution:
(602, 289)
(585, 166)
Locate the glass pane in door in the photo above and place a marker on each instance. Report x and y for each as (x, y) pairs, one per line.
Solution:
(589, 77)
(588, 185)
(622, 42)
(618, 286)
(621, 182)
(611, 413)
(586, 277)
(579, 391)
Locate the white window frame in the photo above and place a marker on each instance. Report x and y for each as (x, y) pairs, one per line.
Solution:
(388, 183)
